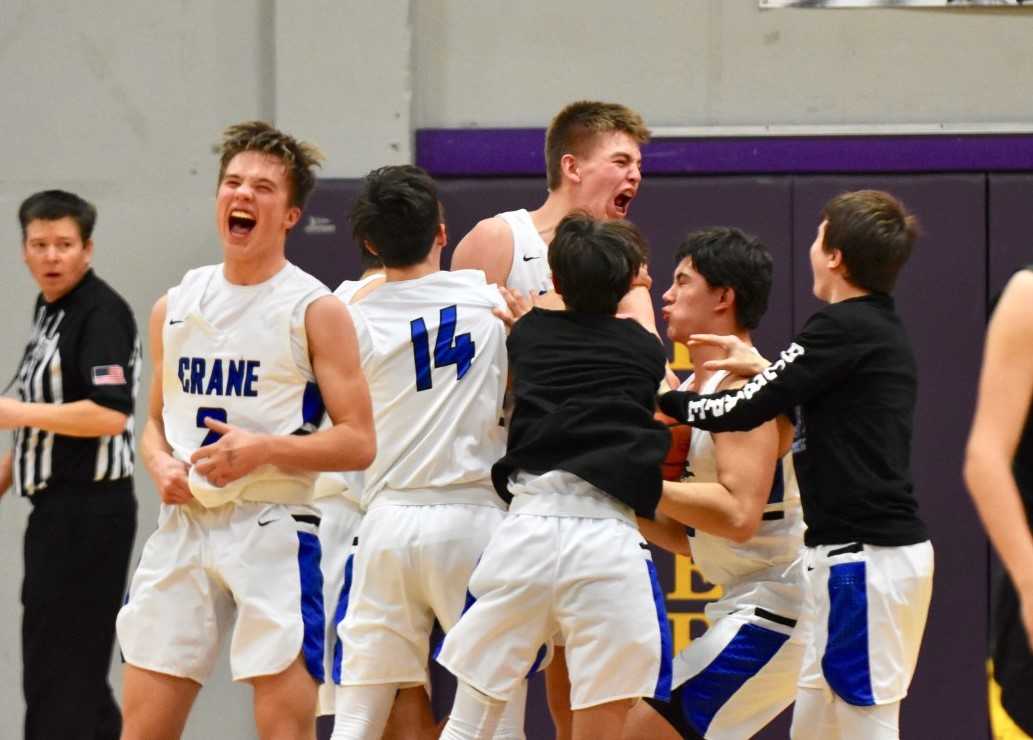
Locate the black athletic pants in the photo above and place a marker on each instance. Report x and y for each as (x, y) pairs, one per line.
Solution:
(77, 549)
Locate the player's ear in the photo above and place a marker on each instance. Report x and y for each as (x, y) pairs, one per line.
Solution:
(835, 258)
(370, 247)
(570, 168)
(292, 217)
(442, 236)
(727, 298)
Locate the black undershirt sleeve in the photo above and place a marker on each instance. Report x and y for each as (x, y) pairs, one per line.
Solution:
(106, 351)
(819, 357)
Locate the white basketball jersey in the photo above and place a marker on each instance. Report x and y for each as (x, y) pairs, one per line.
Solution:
(231, 353)
(347, 290)
(779, 538)
(347, 484)
(530, 272)
(435, 359)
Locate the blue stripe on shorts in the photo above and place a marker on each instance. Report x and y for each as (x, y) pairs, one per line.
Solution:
(845, 663)
(312, 614)
(339, 612)
(704, 694)
(663, 681)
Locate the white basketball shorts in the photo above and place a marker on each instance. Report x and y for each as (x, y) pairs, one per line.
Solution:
(257, 562)
(865, 609)
(593, 580)
(411, 564)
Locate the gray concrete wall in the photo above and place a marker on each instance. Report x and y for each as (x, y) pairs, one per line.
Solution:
(719, 62)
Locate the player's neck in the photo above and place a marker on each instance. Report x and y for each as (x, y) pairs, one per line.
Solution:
(843, 290)
(252, 271)
(705, 352)
(412, 272)
(431, 263)
(547, 217)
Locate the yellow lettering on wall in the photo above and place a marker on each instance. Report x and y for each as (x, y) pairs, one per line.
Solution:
(681, 359)
(684, 588)
(681, 628)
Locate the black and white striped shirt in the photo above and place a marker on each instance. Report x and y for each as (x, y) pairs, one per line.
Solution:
(84, 346)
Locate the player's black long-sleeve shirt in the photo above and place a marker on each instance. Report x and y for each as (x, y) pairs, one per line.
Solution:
(585, 388)
(851, 376)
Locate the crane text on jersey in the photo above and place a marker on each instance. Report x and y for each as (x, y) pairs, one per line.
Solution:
(203, 378)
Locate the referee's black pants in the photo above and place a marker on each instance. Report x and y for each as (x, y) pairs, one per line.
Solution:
(77, 549)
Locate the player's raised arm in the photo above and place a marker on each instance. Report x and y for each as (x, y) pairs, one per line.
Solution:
(818, 358)
(487, 247)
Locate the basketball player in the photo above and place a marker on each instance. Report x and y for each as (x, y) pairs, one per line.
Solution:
(868, 561)
(743, 508)
(999, 475)
(582, 460)
(436, 363)
(593, 164)
(230, 441)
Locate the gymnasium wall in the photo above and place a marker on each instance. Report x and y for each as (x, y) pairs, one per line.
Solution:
(123, 103)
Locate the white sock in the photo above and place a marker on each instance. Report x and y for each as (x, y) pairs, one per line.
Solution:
(474, 715)
(362, 711)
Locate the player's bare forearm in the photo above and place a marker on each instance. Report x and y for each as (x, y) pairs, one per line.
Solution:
(709, 507)
(76, 419)
(341, 447)
(665, 532)
(5, 472)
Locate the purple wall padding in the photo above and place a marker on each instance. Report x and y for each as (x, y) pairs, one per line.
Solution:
(520, 151)
(1010, 227)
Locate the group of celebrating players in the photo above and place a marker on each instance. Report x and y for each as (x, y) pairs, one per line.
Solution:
(482, 447)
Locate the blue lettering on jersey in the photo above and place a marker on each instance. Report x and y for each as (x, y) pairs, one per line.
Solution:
(449, 349)
(239, 378)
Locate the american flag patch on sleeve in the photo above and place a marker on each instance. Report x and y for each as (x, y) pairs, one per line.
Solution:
(108, 375)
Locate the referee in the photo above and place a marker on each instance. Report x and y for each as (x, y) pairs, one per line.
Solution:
(73, 458)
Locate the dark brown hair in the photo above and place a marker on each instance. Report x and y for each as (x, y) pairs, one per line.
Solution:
(593, 262)
(875, 234)
(299, 157)
(574, 128)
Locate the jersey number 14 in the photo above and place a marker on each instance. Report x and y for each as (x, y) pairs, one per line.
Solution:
(448, 349)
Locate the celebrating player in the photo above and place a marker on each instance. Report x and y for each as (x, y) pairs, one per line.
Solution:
(230, 441)
(593, 164)
(743, 507)
(436, 362)
(868, 560)
(583, 459)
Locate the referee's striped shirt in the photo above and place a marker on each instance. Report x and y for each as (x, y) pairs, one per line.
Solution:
(84, 346)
